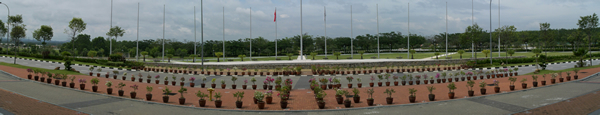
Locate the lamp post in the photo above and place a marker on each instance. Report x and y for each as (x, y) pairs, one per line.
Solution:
(7, 35)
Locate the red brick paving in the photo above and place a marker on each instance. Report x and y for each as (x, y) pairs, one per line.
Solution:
(300, 99)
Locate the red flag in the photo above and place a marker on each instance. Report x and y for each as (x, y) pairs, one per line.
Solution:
(275, 18)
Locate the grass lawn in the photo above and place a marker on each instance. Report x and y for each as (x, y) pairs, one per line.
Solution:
(495, 54)
(564, 70)
(47, 70)
(320, 57)
(73, 62)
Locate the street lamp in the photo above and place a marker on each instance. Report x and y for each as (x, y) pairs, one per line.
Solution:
(7, 35)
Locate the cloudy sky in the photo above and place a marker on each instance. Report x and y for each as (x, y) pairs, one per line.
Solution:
(427, 17)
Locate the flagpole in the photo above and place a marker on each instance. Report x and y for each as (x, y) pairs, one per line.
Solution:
(472, 37)
(163, 39)
(499, 27)
(446, 30)
(408, 44)
(202, 32)
(195, 41)
(351, 35)
(110, 39)
(223, 33)
(301, 35)
(377, 6)
(250, 33)
(325, 26)
(137, 43)
(491, 33)
(275, 32)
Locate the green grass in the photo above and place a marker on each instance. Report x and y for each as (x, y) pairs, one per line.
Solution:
(564, 70)
(320, 57)
(495, 54)
(47, 70)
(73, 62)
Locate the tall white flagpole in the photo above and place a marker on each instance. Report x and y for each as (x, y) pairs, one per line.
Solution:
(275, 32)
(499, 26)
(351, 36)
(491, 33)
(195, 41)
(202, 32)
(111, 9)
(472, 37)
(325, 26)
(163, 40)
(250, 33)
(223, 33)
(377, 6)
(301, 35)
(446, 30)
(408, 44)
(137, 43)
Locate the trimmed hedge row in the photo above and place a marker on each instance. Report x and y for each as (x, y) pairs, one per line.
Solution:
(131, 64)
(486, 62)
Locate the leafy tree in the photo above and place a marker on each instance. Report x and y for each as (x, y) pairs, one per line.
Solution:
(580, 53)
(289, 55)
(586, 24)
(194, 57)
(461, 53)
(313, 55)
(169, 56)
(472, 35)
(537, 52)
(486, 52)
(92, 54)
(361, 54)
(181, 52)
(76, 26)
(412, 53)
(337, 54)
(436, 55)
(510, 52)
(144, 54)
(242, 57)
(3, 29)
(115, 32)
(218, 54)
(17, 32)
(43, 34)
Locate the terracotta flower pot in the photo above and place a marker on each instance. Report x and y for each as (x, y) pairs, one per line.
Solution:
(120, 92)
(270, 87)
(223, 86)
(410, 82)
(261, 105)
(425, 81)
(339, 99)
(524, 85)
(561, 79)
(431, 97)
(370, 102)
(148, 80)
(575, 77)
(181, 101)
(379, 84)
(483, 91)
(356, 99)
(535, 84)
(359, 85)
(568, 78)
(412, 99)
(347, 103)
(213, 85)
(173, 83)
(552, 81)
(387, 83)
(321, 104)
(202, 103)
(269, 100)
(543, 82)
(265, 87)
(451, 95)
(417, 82)
(64, 84)
(471, 93)
(497, 89)
(389, 100)
(283, 104)
(512, 87)
(371, 84)
(166, 82)
(244, 86)
(72, 85)
(123, 78)
(166, 99)
(132, 95)
(94, 88)
(148, 97)
(349, 85)
(82, 86)
(218, 103)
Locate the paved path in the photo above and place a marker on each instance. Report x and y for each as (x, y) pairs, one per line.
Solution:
(505, 103)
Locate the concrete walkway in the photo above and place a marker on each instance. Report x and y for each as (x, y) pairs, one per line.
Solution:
(504, 103)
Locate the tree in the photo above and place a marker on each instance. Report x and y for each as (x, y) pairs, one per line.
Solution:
(313, 54)
(544, 28)
(580, 53)
(3, 29)
(144, 53)
(218, 54)
(473, 34)
(412, 53)
(436, 55)
(92, 54)
(242, 57)
(361, 54)
(289, 55)
(537, 52)
(510, 52)
(460, 52)
(43, 34)
(193, 57)
(337, 54)
(115, 32)
(586, 24)
(486, 52)
(17, 32)
(76, 25)
(169, 56)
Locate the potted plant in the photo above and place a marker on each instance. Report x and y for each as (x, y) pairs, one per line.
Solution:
(238, 95)
(233, 79)
(320, 101)
(218, 101)
(166, 80)
(148, 78)
(98, 70)
(482, 85)
(82, 84)
(64, 77)
(182, 81)
(534, 78)
(201, 95)
(347, 102)
(323, 83)
(410, 79)
(245, 82)
(561, 79)
(123, 77)
(167, 92)
(259, 98)
(359, 84)
(349, 81)
(36, 72)
(115, 74)
(469, 75)
(544, 79)
(269, 98)
(120, 87)
(133, 93)
(516, 69)
(451, 87)
(213, 85)
(173, 80)
(431, 95)
(95, 82)
(496, 87)
(202, 84)
(356, 97)
(370, 99)
(387, 78)
(553, 80)
(149, 94)
(389, 92)
(91, 70)
(418, 79)
(109, 89)
(568, 76)
(139, 75)
(523, 84)
(338, 96)
(403, 78)
(278, 83)
(253, 80)
(49, 79)
(223, 85)
(380, 78)
(72, 84)
(156, 79)
(512, 83)
(181, 91)
(371, 83)
(412, 96)
(575, 76)
(284, 95)
(470, 85)
(107, 74)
